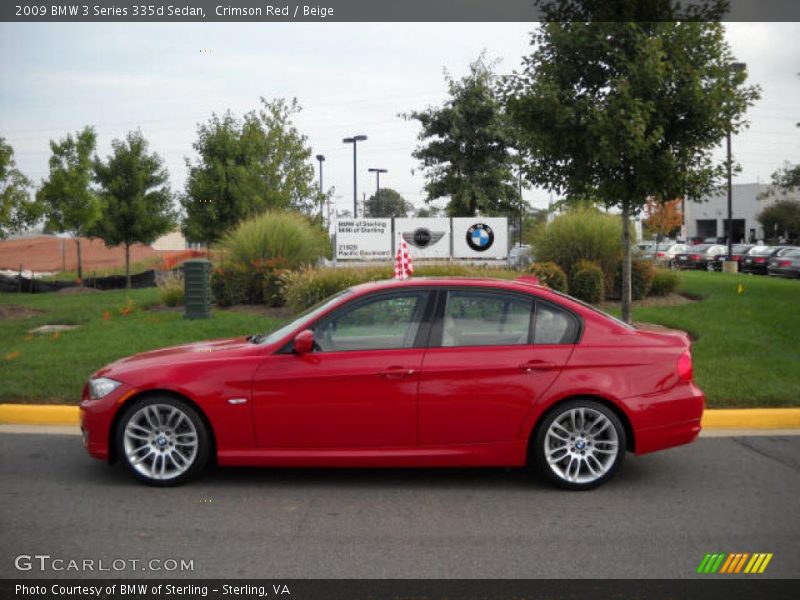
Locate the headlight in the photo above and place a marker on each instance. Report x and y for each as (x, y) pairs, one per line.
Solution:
(102, 386)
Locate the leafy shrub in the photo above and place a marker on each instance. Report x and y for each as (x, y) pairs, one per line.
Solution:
(587, 282)
(254, 283)
(550, 274)
(306, 287)
(281, 237)
(642, 274)
(582, 233)
(664, 282)
(171, 290)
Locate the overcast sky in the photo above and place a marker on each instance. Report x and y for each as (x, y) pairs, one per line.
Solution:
(350, 79)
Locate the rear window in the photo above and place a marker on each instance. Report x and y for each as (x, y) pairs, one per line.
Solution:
(761, 251)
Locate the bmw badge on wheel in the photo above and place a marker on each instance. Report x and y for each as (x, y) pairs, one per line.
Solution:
(480, 237)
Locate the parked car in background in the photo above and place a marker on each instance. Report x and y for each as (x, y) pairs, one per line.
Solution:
(698, 257)
(645, 249)
(785, 265)
(737, 251)
(520, 257)
(756, 261)
(439, 372)
(665, 254)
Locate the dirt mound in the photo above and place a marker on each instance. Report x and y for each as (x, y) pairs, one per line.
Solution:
(14, 311)
(50, 253)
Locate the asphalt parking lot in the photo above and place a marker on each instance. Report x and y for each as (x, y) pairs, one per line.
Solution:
(656, 519)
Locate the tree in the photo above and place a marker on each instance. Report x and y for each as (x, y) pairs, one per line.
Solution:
(785, 180)
(428, 211)
(663, 217)
(629, 107)
(781, 219)
(17, 211)
(465, 155)
(66, 198)
(387, 203)
(135, 196)
(246, 167)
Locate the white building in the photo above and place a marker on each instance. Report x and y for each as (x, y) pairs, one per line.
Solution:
(709, 218)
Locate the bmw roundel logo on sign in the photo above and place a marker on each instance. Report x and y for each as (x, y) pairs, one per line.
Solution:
(480, 237)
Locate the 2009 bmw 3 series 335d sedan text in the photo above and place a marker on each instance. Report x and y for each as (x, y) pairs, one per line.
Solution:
(421, 373)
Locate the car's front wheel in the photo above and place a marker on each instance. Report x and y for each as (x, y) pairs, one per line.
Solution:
(162, 440)
(580, 445)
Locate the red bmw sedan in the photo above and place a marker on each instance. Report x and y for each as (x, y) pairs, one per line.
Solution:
(442, 372)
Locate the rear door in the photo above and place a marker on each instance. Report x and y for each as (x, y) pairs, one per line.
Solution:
(483, 371)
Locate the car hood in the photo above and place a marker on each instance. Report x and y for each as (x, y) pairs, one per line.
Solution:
(185, 353)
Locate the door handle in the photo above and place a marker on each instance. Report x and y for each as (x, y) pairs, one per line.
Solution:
(537, 365)
(397, 372)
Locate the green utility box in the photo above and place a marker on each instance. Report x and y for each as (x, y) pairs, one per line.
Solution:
(197, 289)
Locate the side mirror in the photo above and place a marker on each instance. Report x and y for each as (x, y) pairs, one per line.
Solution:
(304, 342)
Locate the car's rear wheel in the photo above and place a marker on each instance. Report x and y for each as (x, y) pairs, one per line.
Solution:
(580, 444)
(162, 440)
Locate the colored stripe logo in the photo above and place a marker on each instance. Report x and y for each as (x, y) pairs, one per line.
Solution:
(738, 562)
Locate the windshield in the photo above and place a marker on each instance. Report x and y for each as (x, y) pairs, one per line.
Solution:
(304, 317)
(761, 251)
(741, 247)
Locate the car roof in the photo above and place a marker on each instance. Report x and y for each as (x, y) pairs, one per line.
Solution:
(524, 285)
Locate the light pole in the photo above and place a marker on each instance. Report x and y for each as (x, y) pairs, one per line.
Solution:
(354, 140)
(377, 183)
(521, 206)
(737, 67)
(321, 159)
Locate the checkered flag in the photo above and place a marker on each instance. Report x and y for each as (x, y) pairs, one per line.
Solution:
(403, 267)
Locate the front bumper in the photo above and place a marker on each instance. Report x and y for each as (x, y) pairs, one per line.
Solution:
(96, 417)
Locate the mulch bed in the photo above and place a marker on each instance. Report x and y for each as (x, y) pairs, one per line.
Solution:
(14, 311)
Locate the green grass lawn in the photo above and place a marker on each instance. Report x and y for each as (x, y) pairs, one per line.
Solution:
(53, 369)
(746, 348)
(747, 345)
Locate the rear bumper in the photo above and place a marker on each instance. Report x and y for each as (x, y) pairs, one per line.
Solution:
(670, 419)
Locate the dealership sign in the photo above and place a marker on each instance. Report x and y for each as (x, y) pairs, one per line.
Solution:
(426, 238)
(364, 239)
(437, 238)
(480, 237)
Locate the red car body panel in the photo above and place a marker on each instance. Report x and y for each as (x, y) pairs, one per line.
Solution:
(436, 406)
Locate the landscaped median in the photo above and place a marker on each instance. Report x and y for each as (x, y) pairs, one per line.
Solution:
(719, 418)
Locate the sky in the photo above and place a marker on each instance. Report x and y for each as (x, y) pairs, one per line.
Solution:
(164, 78)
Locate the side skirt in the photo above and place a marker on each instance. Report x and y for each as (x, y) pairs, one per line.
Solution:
(505, 454)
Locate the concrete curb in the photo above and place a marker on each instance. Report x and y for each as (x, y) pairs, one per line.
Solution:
(716, 418)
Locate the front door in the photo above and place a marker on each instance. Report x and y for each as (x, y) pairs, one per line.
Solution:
(359, 386)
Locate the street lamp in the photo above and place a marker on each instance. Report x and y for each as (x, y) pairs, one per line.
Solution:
(354, 140)
(378, 182)
(321, 159)
(737, 67)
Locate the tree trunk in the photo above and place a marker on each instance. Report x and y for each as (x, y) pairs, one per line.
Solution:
(626, 264)
(127, 266)
(80, 263)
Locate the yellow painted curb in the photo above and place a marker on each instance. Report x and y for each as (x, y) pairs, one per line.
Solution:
(38, 414)
(715, 418)
(751, 418)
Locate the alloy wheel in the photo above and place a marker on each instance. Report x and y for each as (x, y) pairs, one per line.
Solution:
(581, 445)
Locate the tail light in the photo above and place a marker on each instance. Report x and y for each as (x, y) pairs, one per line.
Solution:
(736, 257)
(784, 263)
(660, 254)
(694, 256)
(760, 260)
(685, 369)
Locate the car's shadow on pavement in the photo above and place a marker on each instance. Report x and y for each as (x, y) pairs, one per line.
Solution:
(633, 474)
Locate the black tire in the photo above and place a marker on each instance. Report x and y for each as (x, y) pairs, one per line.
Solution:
(195, 460)
(562, 411)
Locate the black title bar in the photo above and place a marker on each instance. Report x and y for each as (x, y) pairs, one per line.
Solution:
(332, 10)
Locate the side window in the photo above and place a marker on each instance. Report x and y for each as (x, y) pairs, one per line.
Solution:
(385, 323)
(484, 319)
(554, 325)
